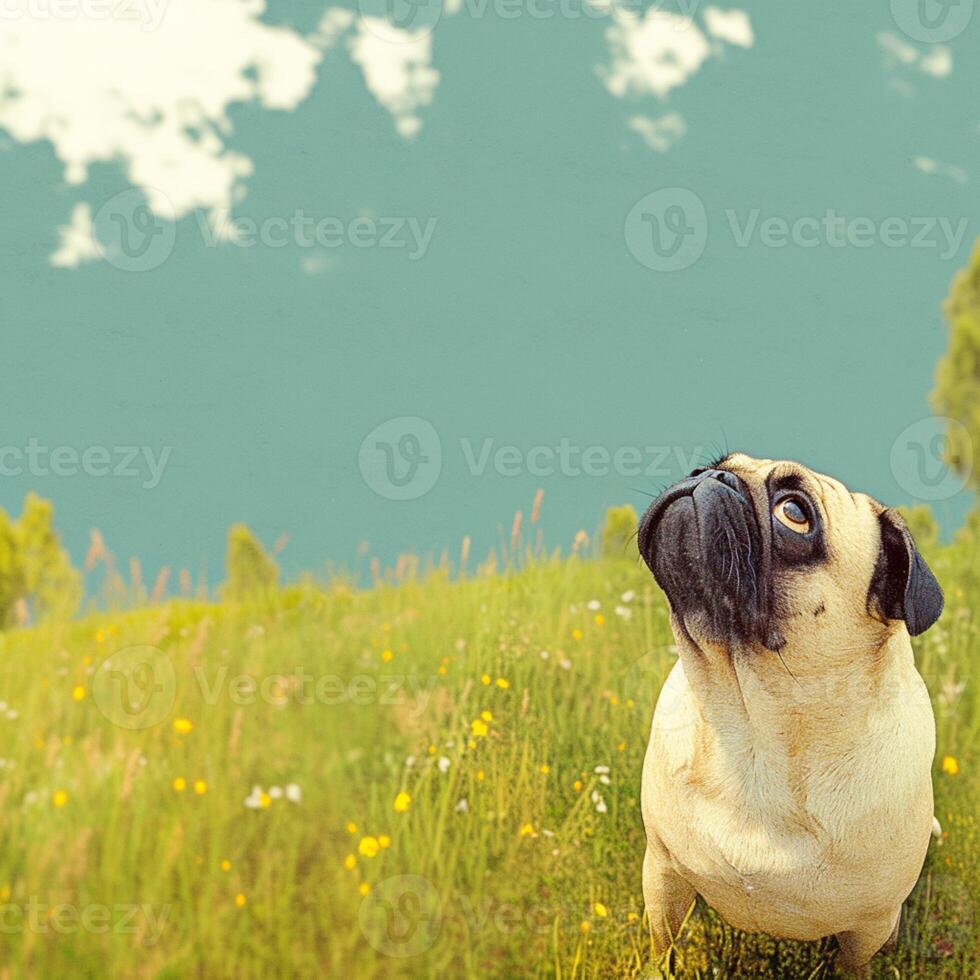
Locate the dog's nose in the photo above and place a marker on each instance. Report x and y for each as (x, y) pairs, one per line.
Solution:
(730, 480)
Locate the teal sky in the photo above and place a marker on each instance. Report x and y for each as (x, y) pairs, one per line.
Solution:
(527, 320)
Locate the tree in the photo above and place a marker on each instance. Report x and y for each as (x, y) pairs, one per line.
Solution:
(50, 585)
(11, 573)
(251, 571)
(619, 533)
(957, 391)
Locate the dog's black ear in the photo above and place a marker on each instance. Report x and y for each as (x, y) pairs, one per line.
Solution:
(903, 587)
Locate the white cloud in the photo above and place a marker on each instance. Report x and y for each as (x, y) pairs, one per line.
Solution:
(659, 134)
(152, 94)
(732, 26)
(929, 166)
(332, 24)
(77, 242)
(397, 67)
(317, 265)
(937, 61)
(654, 54)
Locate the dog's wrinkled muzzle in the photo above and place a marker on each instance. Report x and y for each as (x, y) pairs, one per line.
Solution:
(702, 540)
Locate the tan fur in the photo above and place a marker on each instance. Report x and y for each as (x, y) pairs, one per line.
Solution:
(794, 795)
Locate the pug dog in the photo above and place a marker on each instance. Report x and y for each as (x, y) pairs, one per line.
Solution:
(787, 777)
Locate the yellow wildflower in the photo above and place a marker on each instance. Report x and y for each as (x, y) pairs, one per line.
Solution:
(226, 865)
(364, 888)
(544, 768)
(950, 766)
(402, 802)
(351, 827)
(503, 683)
(78, 693)
(183, 726)
(368, 847)
(200, 787)
(386, 656)
(179, 784)
(576, 634)
(479, 727)
(599, 619)
(600, 910)
(486, 679)
(384, 841)
(240, 900)
(527, 831)
(486, 716)
(350, 862)
(584, 927)
(59, 798)
(481, 775)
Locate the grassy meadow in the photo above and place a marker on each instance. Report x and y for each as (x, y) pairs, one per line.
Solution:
(428, 778)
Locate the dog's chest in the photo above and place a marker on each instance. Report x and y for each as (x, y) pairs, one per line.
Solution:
(795, 847)
(790, 873)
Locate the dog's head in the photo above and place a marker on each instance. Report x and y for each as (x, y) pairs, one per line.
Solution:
(760, 553)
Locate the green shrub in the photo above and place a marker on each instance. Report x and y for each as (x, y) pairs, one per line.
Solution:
(52, 587)
(250, 569)
(619, 533)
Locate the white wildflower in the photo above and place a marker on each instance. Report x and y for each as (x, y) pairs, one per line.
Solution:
(254, 799)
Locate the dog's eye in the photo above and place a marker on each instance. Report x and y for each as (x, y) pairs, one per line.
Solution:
(791, 512)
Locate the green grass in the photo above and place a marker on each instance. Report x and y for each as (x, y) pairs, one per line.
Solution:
(138, 865)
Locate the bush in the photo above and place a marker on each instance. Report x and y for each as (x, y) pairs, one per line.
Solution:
(250, 569)
(52, 587)
(619, 533)
(11, 573)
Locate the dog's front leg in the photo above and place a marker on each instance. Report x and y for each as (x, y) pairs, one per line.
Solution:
(859, 945)
(666, 895)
